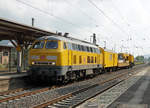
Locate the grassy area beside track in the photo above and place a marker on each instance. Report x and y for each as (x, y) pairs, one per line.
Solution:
(138, 63)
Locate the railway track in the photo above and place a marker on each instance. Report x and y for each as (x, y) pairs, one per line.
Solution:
(12, 91)
(21, 92)
(75, 98)
(34, 97)
(17, 93)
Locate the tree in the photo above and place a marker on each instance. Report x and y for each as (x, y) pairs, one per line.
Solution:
(148, 59)
(140, 58)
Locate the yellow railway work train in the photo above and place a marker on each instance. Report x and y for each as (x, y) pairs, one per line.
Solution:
(125, 60)
(59, 58)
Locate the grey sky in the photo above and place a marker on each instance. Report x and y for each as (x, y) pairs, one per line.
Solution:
(80, 18)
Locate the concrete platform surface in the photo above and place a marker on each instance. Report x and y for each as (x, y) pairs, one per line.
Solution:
(12, 75)
(12, 81)
(137, 96)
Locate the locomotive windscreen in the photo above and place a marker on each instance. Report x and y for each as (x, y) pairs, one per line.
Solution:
(51, 45)
(38, 45)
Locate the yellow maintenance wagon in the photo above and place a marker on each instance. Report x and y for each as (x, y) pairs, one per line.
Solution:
(110, 60)
(123, 60)
(131, 60)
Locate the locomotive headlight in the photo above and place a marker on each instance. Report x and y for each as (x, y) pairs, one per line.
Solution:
(33, 63)
(53, 63)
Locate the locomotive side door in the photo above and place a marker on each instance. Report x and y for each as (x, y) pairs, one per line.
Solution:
(69, 54)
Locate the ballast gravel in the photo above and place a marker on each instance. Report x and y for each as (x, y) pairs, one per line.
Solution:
(105, 99)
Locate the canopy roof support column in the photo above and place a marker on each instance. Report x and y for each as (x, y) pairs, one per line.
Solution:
(19, 49)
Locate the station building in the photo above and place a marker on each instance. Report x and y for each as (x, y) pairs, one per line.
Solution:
(8, 56)
(6, 49)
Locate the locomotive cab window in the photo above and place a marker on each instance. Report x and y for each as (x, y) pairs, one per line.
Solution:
(38, 45)
(51, 45)
(120, 57)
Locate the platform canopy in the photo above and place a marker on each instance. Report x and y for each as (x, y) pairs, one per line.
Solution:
(10, 30)
(20, 35)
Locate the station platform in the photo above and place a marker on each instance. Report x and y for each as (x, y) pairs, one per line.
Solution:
(137, 96)
(12, 75)
(9, 81)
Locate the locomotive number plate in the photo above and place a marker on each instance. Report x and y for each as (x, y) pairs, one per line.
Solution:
(51, 57)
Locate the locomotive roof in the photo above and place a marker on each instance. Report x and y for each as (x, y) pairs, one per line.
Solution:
(124, 53)
(108, 50)
(68, 39)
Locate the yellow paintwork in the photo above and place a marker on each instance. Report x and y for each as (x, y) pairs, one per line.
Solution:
(110, 59)
(124, 64)
(115, 59)
(101, 56)
(68, 57)
(65, 57)
(43, 53)
(125, 61)
(126, 56)
(131, 58)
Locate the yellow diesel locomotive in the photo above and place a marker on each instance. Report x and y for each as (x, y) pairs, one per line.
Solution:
(60, 58)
